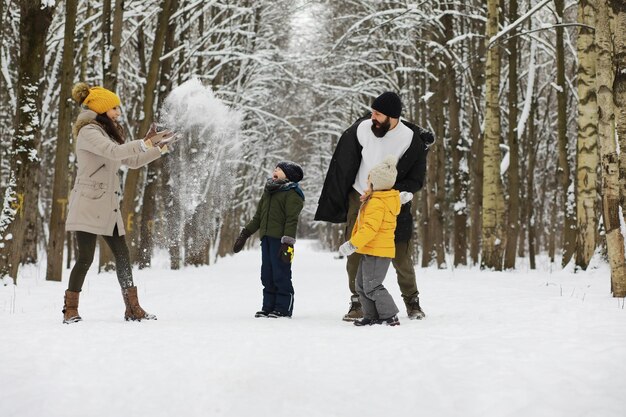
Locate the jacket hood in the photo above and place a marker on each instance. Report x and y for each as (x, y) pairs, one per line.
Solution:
(84, 118)
(391, 199)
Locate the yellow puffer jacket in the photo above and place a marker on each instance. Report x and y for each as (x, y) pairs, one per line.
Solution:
(374, 230)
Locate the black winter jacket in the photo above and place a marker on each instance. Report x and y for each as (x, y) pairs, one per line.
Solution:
(344, 165)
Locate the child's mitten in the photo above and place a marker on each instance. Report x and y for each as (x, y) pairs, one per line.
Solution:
(286, 253)
(286, 249)
(347, 249)
(241, 240)
(405, 197)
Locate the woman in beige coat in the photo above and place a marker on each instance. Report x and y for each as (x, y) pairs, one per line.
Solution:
(94, 203)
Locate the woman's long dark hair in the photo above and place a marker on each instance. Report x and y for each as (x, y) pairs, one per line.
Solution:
(113, 129)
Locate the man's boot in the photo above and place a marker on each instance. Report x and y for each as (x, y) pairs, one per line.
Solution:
(133, 309)
(70, 307)
(356, 311)
(413, 308)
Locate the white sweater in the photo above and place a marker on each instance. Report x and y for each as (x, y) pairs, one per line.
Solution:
(375, 149)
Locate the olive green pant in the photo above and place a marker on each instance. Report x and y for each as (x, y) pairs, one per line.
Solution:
(403, 262)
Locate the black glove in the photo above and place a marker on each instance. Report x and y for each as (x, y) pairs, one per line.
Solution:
(286, 253)
(241, 240)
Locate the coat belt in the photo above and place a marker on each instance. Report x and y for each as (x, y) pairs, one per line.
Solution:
(91, 183)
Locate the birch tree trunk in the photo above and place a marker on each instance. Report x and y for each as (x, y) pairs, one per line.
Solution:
(563, 173)
(22, 190)
(608, 151)
(619, 92)
(513, 171)
(493, 232)
(64, 140)
(587, 144)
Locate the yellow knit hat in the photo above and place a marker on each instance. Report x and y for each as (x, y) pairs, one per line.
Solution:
(98, 99)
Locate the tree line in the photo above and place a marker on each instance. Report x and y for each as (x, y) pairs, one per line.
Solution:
(527, 100)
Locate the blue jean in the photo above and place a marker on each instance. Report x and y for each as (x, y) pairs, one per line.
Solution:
(276, 278)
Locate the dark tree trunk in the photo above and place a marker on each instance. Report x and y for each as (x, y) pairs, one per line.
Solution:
(568, 202)
(148, 207)
(530, 193)
(476, 161)
(35, 19)
(513, 171)
(457, 148)
(60, 188)
(131, 184)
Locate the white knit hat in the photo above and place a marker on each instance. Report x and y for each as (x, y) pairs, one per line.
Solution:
(383, 175)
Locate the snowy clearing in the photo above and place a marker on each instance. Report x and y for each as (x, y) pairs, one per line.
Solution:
(525, 343)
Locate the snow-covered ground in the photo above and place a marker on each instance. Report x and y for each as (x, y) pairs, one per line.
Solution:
(525, 343)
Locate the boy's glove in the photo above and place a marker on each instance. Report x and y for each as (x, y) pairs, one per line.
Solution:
(405, 197)
(286, 253)
(241, 240)
(347, 249)
(286, 249)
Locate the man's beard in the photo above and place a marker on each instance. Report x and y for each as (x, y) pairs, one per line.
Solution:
(380, 129)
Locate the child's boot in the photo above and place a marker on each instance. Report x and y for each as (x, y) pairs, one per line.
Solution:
(391, 321)
(365, 322)
(278, 315)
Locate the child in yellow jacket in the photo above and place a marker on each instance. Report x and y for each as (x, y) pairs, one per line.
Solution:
(373, 237)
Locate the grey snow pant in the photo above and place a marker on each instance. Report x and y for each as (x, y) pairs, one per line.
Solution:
(376, 301)
(403, 262)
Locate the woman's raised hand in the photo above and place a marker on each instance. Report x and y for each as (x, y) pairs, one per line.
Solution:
(160, 139)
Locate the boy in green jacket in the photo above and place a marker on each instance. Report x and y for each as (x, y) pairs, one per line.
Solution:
(276, 219)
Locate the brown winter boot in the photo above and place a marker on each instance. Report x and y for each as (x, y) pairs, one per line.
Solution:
(355, 312)
(133, 309)
(413, 309)
(70, 307)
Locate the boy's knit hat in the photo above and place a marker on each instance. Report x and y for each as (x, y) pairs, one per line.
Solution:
(383, 175)
(98, 99)
(292, 171)
(389, 104)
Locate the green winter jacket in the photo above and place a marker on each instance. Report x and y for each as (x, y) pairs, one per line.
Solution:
(277, 214)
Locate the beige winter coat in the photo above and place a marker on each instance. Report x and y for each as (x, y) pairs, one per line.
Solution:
(94, 204)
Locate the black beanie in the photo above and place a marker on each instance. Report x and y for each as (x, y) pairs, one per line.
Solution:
(292, 171)
(389, 104)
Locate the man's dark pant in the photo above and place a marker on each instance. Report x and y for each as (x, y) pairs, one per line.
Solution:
(276, 278)
(403, 262)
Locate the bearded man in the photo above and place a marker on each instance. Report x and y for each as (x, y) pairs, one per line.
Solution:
(361, 147)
